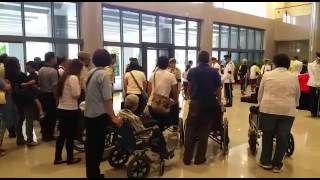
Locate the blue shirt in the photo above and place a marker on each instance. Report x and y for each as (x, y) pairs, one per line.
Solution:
(204, 82)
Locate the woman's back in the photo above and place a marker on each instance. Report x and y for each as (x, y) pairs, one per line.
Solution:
(70, 94)
(132, 87)
(279, 92)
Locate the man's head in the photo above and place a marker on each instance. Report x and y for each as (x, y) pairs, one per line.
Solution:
(37, 59)
(134, 60)
(214, 60)
(84, 57)
(254, 63)
(101, 58)
(163, 62)
(190, 63)
(295, 58)
(113, 59)
(172, 63)
(267, 61)
(30, 66)
(3, 57)
(244, 61)
(281, 61)
(227, 58)
(50, 58)
(203, 57)
(131, 102)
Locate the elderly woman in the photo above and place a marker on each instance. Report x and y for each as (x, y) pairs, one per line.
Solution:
(278, 97)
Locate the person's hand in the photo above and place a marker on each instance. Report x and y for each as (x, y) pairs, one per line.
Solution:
(117, 121)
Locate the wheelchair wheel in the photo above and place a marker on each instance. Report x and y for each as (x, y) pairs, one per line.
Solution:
(290, 149)
(181, 132)
(225, 145)
(109, 139)
(138, 167)
(118, 158)
(253, 142)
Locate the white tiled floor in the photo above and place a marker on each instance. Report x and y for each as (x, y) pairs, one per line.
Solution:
(37, 161)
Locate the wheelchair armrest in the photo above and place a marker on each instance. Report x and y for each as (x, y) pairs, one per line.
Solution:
(144, 131)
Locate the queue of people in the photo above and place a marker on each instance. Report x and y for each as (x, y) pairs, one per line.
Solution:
(55, 92)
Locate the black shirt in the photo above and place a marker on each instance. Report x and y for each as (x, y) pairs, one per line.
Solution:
(204, 82)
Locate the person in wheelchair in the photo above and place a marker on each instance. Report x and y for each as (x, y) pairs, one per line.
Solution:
(157, 140)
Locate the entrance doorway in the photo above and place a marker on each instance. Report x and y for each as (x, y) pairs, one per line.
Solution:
(150, 52)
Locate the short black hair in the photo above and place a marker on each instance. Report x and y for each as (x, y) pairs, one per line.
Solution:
(163, 62)
(296, 57)
(31, 64)
(37, 59)
(133, 66)
(101, 58)
(3, 57)
(213, 58)
(281, 60)
(132, 59)
(48, 56)
(254, 63)
(113, 56)
(203, 57)
(190, 62)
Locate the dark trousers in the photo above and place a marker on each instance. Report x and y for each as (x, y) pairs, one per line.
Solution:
(199, 123)
(29, 113)
(68, 120)
(228, 93)
(243, 83)
(166, 120)
(49, 121)
(314, 101)
(279, 127)
(95, 136)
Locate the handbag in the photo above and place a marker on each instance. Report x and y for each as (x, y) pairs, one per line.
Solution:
(160, 104)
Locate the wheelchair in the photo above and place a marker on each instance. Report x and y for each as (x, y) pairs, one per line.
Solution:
(255, 132)
(127, 142)
(219, 132)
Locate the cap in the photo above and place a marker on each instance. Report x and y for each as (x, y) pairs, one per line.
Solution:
(84, 55)
(172, 60)
(227, 56)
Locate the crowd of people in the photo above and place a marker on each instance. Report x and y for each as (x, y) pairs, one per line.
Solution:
(51, 93)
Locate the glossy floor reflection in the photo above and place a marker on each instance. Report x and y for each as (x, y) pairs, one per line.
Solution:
(38, 161)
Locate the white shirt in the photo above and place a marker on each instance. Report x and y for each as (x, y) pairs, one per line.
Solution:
(296, 66)
(217, 67)
(132, 87)
(314, 73)
(70, 94)
(228, 78)
(164, 80)
(253, 72)
(279, 92)
(266, 68)
(60, 71)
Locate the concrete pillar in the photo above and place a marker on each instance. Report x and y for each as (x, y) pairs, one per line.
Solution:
(206, 29)
(314, 42)
(91, 26)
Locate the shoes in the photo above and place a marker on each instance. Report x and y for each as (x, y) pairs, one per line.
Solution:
(265, 166)
(12, 136)
(277, 169)
(74, 161)
(57, 162)
(47, 139)
(30, 144)
(200, 162)
(21, 143)
(187, 162)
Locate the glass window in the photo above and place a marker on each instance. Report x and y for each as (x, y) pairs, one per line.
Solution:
(165, 30)
(222, 54)
(258, 40)
(13, 49)
(215, 54)
(235, 57)
(243, 55)
(38, 19)
(149, 32)
(192, 56)
(37, 49)
(180, 32)
(129, 52)
(65, 20)
(10, 18)
(192, 33)
(67, 50)
(180, 56)
(243, 38)
(250, 57)
(257, 57)
(215, 36)
(234, 38)
(130, 27)
(116, 67)
(251, 39)
(224, 36)
(111, 24)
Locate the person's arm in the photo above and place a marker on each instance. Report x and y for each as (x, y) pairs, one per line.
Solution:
(54, 82)
(75, 86)
(29, 83)
(261, 90)
(106, 90)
